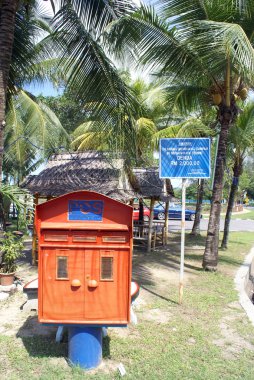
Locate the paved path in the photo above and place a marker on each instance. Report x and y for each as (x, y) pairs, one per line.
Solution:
(235, 225)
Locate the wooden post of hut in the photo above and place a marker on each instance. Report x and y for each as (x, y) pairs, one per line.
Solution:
(150, 230)
(25, 207)
(34, 241)
(141, 218)
(165, 232)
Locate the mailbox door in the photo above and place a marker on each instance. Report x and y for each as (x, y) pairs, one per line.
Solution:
(61, 300)
(106, 291)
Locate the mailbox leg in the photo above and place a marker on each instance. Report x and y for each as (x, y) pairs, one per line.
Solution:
(85, 346)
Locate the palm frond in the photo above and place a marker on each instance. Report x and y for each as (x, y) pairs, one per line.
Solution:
(92, 135)
(86, 67)
(95, 15)
(183, 11)
(156, 43)
(32, 131)
(228, 41)
(184, 97)
(25, 52)
(145, 129)
(241, 135)
(15, 194)
(191, 127)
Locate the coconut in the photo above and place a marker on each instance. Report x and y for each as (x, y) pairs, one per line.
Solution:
(217, 99)
(243, 93)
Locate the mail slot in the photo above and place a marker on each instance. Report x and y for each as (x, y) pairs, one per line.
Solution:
(85, 252)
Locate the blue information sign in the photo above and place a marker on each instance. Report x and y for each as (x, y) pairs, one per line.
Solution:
(185, 158)
(85, 210)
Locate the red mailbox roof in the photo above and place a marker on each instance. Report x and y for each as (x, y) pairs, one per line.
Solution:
(71, 211)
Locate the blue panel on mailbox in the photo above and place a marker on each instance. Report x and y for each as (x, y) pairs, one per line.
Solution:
(85, 210)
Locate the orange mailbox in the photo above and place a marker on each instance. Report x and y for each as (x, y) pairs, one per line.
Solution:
(85, 248)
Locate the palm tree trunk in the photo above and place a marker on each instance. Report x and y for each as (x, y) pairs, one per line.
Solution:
(196, 225)
(7, 26)
(210, 258)
(227, 113)
(233, 190)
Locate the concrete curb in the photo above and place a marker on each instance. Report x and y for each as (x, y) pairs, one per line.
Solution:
(241, 280)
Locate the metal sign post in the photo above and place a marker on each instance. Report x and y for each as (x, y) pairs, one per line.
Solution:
(184, 182)
(184, 158)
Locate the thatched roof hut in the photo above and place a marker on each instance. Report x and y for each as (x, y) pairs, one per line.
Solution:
(146, 181)
(99, 172)
(96, 171)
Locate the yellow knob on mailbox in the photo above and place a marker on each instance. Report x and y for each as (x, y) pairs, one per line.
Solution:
(76, 282)
(92, 284)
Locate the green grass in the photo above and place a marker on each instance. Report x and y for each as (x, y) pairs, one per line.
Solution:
(247, 215)
(244, 216)
(180, 348)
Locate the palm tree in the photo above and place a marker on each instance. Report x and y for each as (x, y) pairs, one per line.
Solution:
(241, 138)
(136, 141)
(204, 51)
(32, 133)
(102, 136)
(76, 44)
(20, 25)
(84, 64)
(7, 26)
(76, 47)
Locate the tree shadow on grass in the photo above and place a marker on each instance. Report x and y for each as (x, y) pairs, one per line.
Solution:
(168, 257)
(229, 260)
(197, 240)
(159, 295)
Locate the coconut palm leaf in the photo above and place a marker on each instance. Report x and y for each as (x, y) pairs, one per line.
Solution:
(15, 194)
(182, 49)
(152, 98)
(41, 123)
(32, 132)
(95, 15)
(185, 97)
(91, 135)
(229, 41)
(192, 127)
(98, 135)
(145, 129)
(25, 54)
(85, 65)
(184, 11)
(155, 42)
(241, 135)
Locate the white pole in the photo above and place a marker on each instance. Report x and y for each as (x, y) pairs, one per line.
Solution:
(182, 241)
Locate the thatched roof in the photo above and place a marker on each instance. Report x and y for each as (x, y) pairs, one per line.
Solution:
(94, 171)
(148, 183)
